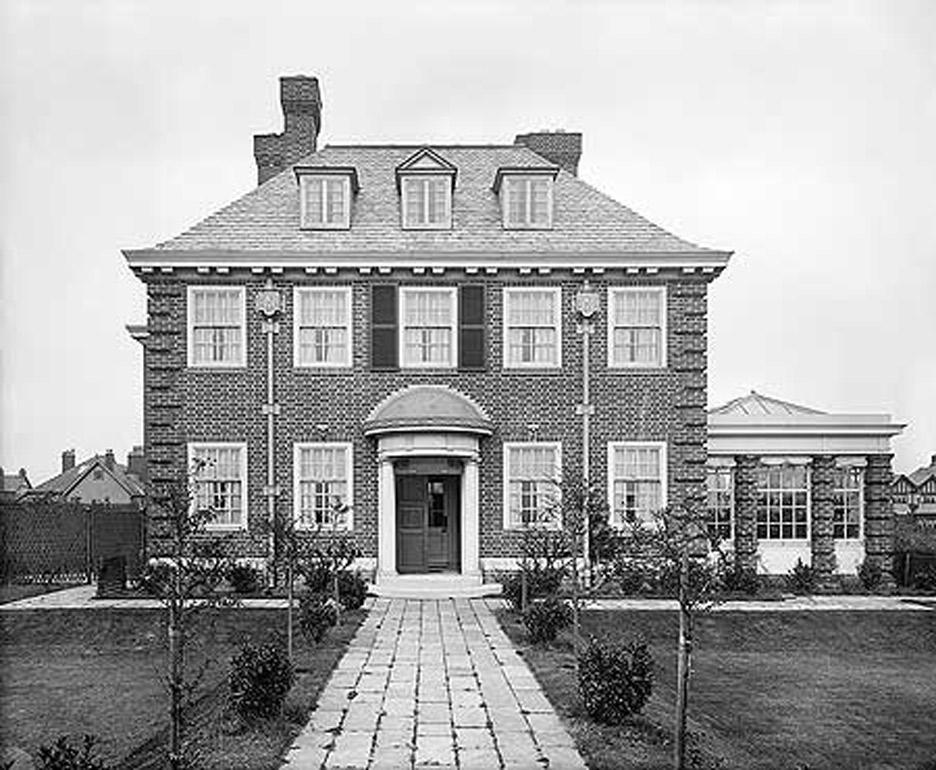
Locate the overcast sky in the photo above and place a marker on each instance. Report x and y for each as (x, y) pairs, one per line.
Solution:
(800, 135)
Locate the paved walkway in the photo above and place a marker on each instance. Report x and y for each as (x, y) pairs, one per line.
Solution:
(433, 684)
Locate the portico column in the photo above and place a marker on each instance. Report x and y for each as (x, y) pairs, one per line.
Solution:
(470, 525)
(386, 517)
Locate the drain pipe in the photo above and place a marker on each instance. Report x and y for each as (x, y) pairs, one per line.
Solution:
(586, 303)
(269, 304)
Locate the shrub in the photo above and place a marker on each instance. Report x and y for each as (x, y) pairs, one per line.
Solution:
(803, 578)
(352, 590)
(244, 579)
(870, 574)
(632, 576)
(156, 578)
(736, 579)
(541, 581)
(63, 755)
(260, 678)
(615, 679)
(925, 579)
(545, 618)
(317, 613)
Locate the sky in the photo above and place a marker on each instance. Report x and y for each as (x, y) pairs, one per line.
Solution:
(800, 135)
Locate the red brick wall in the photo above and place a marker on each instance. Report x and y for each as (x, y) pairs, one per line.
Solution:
(183, 405)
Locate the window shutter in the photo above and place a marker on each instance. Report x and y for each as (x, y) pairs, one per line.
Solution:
(471, 327)
(384, 327)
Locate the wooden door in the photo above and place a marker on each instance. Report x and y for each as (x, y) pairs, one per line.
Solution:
(411, 505)
(427, 524)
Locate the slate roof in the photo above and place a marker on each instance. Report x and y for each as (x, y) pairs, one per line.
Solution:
(62, 484)
(584, 219)
(921, 475)
(757, 404)
(426, 407)
(14, 482)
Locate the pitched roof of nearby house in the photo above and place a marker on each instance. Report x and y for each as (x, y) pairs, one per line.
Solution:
(65, 482)
(757, 404)
(584, 219)
(921, 475)
(11, 483)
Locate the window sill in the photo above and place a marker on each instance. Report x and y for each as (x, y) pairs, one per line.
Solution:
(225, 527)
(318, 228)
(622, 369)
(343, 369)
(216, 367)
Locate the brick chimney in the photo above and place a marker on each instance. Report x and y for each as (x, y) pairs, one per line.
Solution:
(136, 463)
(302, 120)
(68, 460)
(560, 147)
(109, 459)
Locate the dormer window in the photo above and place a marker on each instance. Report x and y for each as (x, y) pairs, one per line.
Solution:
(325, 197)
(426, 182)
(526, 197)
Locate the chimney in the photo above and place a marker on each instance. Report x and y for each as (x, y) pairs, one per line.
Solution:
(302, 120)
(68, 460)
(559, 147)
(109, 459)
(136, 463)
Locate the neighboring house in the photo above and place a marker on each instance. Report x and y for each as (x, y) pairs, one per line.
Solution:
(787, 482)
(914, 493)
(99, 479)
(12, 485)
(397, 328)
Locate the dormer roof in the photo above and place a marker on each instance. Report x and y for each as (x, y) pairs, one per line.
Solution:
(426, 161)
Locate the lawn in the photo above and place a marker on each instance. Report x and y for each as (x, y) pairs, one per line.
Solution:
(769, 690)
(99, 672)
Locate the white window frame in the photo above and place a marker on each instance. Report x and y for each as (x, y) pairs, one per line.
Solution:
(193, 448)
(808, 481)
(508, 446)
(348, 523)
(526, 180)
(613, 291)
(345, 363)
(401, 334)
(836, 490)
(711, 523)
(323, 179)
(190, 327)
(425, 180)
(508, 292)
(660, 446)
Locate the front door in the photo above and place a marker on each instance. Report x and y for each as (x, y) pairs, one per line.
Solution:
(427, 523)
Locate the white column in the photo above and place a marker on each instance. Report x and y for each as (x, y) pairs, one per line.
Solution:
(386, 520)
(470, 526)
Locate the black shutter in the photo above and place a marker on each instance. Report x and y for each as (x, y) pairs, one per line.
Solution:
(383, 327)
(471, 327)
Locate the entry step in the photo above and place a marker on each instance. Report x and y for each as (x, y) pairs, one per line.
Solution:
(432, 587)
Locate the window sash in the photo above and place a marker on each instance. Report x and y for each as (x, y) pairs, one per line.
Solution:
(325, 201)
(323, 327)
(323, 482)
(428, 327)
(636, 483)
(532, 327)
(427, 201)
(783, 503)
(636, 326)
(219, 484)
(847, 503)
(532, 485)
(216, 326)
(527, 201)
(720, 507)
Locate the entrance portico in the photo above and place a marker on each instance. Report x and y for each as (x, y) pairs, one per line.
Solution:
(428, 519)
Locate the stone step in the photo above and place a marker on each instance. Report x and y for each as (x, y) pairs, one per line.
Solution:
(432, 587)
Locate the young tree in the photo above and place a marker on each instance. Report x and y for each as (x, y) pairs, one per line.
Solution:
(186, 578)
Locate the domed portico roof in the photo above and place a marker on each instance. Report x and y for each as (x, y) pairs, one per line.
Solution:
(422, 408)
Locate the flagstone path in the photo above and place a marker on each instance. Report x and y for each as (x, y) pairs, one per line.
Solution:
(433, 684)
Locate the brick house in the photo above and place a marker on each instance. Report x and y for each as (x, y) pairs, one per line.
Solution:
(400, 330)
(914, 494)
(789, 482)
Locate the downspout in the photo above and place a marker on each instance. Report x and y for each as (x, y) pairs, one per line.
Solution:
(586, 303)
(269, 304)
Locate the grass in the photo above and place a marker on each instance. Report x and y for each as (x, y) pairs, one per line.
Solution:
(99, 672)
(769, 690)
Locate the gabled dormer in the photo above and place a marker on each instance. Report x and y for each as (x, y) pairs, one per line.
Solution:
(526, 196)
(426, 182)
(325, 196)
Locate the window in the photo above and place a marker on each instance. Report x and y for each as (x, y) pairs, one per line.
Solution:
(637, 327)
(636, 481)
(322, 326)
(427, 202)
(428, 319)
(322, 496)
(720, 507)
(527, 201)
(532, 473)
(532, 328)
(847, 503)
(221, 483)
(783, 503)
(216, 327)
(325, 201)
